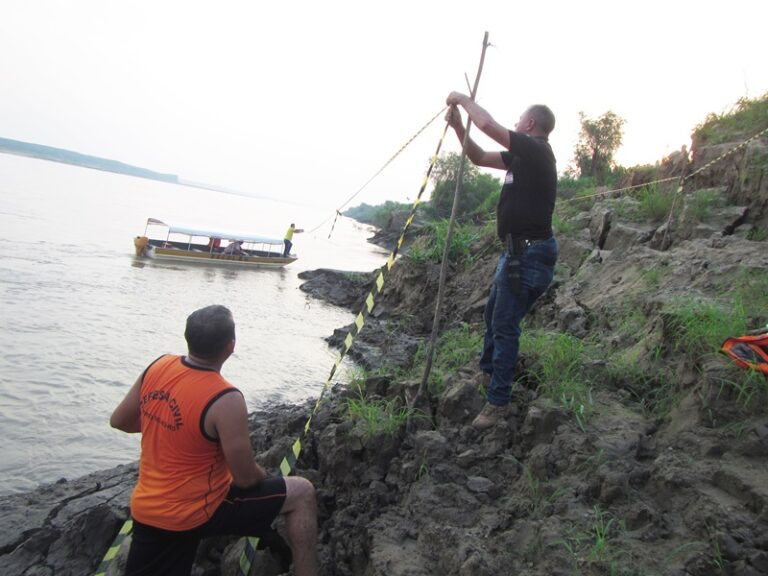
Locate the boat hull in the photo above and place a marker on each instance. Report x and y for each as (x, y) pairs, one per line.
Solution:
(216, 259)
(188, 245)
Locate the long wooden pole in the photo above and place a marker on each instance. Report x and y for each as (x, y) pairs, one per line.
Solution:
(423, 388)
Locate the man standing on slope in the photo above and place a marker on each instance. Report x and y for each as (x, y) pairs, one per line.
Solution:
(524, 225)
(197, 473)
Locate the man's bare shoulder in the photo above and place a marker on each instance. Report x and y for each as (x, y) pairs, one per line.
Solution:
(225, 411)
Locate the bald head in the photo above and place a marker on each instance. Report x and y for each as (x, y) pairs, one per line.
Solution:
(544, 119)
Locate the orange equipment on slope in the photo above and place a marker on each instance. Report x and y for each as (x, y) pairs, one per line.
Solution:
(749, 351)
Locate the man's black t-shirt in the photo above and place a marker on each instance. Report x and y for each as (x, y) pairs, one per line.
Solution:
(528, 195)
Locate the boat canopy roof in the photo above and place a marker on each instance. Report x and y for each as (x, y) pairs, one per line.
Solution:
(212, 233)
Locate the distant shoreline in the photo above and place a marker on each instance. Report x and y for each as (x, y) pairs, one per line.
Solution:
(64, 156)
(61, 155)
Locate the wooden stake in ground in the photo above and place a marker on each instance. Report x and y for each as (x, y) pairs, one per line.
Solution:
(423, 389)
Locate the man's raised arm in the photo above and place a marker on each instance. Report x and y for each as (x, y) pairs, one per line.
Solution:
(485, 123)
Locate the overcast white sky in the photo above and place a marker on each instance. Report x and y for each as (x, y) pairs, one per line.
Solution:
(306, 100)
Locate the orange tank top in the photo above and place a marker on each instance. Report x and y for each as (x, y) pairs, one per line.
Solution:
(183, 476)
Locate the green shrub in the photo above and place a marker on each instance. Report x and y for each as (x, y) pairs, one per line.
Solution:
(377, 215)
(487, 208)
(655, 204)
(746, 118)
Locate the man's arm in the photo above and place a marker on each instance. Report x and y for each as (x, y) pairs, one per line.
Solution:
(227, 420)
(127, 415)
(485, 122)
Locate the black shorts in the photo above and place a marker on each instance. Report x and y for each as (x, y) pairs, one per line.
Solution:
(244, 512)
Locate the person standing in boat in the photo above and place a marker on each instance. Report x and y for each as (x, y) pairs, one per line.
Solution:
(288, 240)
(197, 472)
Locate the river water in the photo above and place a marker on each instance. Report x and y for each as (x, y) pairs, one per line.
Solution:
(80, 317)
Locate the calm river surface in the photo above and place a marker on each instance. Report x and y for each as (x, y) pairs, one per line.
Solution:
(80, 317)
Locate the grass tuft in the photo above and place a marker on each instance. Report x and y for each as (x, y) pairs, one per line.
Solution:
(455, 348)
(429, 247)
(378, 416)
(557, 368)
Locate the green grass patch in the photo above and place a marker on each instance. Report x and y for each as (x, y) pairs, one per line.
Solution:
(757, 234)
(655, 203)
(429, 247)
(701, 203)
(746, 118)
(651, 277)
(557, 366)
(625, 208)
(649, 382)
(377, 416)
(629, 321)
(749, 386)
(566, 209)
(700, 327)
(597, 544)
(455, 348)
(749, 288)
(534, 497)
(561, 226)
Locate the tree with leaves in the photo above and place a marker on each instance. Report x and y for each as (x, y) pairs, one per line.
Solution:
(477, 186)
(598, 141)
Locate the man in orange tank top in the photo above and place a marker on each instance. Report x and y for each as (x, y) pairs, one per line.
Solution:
(197, 472)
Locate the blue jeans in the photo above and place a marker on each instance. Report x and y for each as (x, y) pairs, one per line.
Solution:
(504, 312)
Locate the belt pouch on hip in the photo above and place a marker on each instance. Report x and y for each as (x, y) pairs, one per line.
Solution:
(514, 254)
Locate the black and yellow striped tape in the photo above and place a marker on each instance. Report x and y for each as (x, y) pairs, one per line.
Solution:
(113, 550)
(288, 463)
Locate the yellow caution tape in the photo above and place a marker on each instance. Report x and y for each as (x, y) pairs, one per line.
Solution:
(113, 550)
(288, 463)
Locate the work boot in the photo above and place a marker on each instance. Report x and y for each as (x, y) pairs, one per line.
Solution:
(489, 416)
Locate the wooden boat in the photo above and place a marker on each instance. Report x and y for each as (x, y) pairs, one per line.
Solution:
(180, 243)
